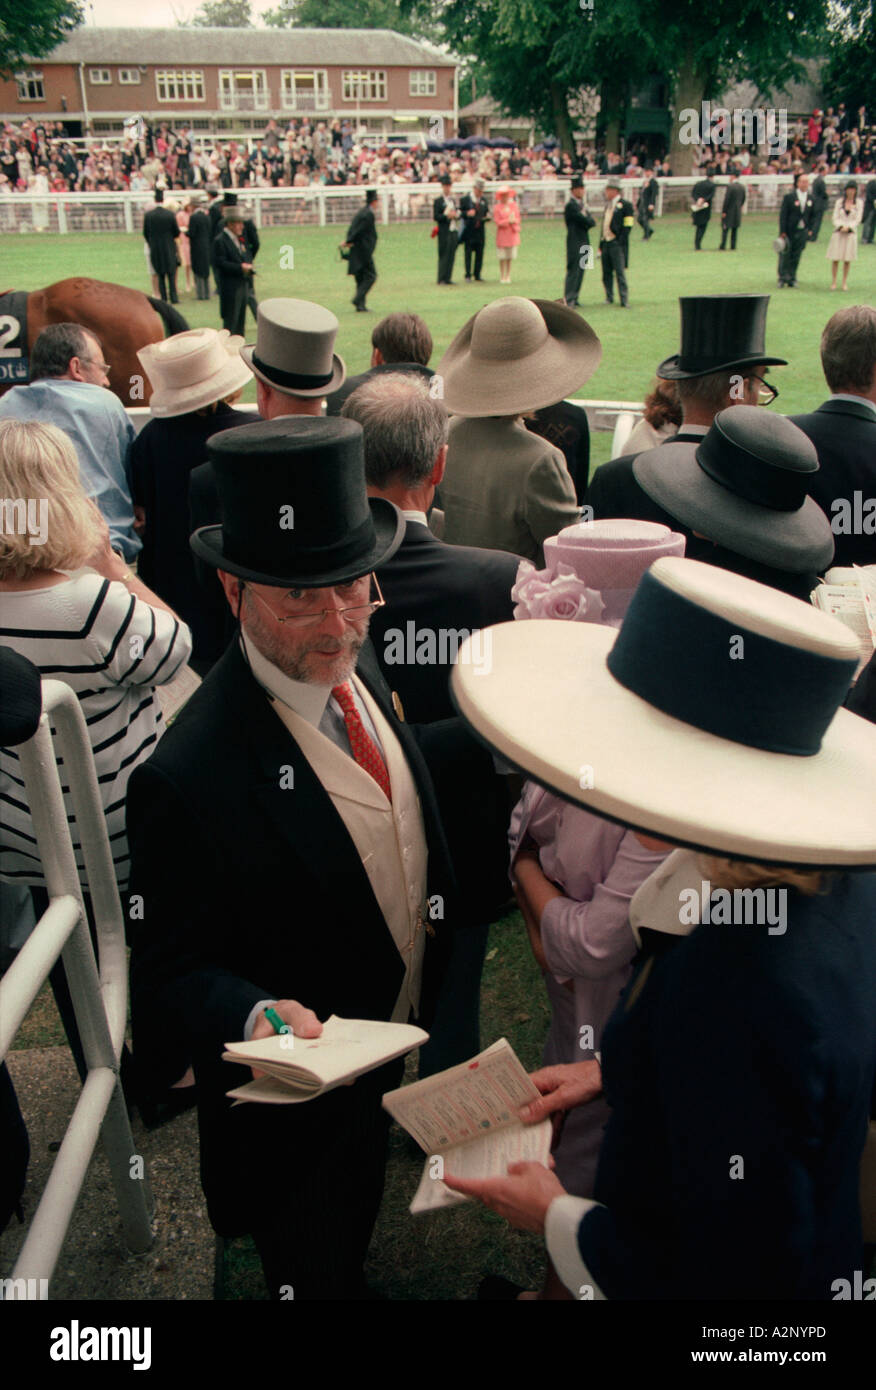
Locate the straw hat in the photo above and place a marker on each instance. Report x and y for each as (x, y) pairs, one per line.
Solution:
(713, 718)
(293, 348)
(516, 355)
(192, 370)
(745, 486)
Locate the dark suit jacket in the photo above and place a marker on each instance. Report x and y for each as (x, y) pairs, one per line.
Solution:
(731, 211)
(844, 435)
(471, 229)
(256, 891)
(647, 198)
(200, 241)
(578, 222)
(794, 223)
(362, 232)
(565, 426)
(791, 1098)
(160, 228)
(704, 189)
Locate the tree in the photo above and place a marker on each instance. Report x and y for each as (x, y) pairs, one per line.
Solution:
(223, 14)
(32, 28)
(352, 14)
(850, 72)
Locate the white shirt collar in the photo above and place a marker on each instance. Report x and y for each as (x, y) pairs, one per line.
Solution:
(858, 400)
(308, 701)
(415, 516)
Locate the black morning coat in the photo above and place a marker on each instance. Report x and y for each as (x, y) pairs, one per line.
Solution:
(362, 234)
(844, 435)
(578, 223)
(252, 889)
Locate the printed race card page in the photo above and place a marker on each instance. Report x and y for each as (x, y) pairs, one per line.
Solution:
(465, 1120)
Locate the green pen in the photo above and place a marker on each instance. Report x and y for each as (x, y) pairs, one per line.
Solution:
(276, 1022)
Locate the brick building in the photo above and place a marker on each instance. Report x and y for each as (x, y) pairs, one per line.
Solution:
(234, 79)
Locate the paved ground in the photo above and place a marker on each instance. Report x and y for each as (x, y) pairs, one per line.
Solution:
(94, 1263)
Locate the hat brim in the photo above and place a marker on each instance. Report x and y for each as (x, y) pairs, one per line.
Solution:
(339, 376)
(548, 704)
(798, 542)
(166, 404)
(669, 370)
(389, 528)
(479, 388)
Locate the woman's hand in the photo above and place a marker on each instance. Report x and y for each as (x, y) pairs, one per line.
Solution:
(523, 1197)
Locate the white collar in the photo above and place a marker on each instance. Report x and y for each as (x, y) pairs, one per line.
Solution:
(309, 701)
(858, 400)
(415, 516)
(655, 903)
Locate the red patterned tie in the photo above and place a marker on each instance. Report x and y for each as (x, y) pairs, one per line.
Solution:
(364, 749)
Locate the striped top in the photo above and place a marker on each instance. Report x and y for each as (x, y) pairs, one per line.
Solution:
(112, 649)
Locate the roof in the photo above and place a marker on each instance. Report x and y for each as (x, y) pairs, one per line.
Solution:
(237, 47)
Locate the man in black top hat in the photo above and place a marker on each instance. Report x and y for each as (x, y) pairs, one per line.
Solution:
(797, 217)
(446, 214)
(304, 868)
(647, 205)
(731, 211)
(701, 207)
(722, 362)
(233, 270)
(362, 239)
(161, 231)
(578, 223)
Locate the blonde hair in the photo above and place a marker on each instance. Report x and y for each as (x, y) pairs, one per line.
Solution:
(733, 873)
(39, 473)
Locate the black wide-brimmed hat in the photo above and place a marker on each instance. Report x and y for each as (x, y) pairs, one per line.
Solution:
(719, 332)
(745, 486)
(295, 511)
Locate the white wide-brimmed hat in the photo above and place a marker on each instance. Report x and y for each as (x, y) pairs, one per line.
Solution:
(192, 370)
(516, 355)
(712, 719)
(293, 351)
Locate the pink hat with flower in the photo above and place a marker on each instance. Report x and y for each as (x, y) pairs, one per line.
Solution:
(592, 570)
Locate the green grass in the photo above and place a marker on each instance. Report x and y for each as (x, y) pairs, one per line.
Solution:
(633, 340)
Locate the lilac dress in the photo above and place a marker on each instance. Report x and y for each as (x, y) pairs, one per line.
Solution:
(587, 940)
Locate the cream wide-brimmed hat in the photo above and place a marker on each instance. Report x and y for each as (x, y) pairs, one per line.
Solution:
(192, 370)
(293, 351)
(516, 355)
(712, 719)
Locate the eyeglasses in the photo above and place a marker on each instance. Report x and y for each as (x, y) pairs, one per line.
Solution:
(354, 613)
(766, 392)
(103, 367)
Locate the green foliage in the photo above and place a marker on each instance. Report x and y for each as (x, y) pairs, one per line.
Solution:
(223, 14)
(351, 14)
(850, 72)
(32, 28)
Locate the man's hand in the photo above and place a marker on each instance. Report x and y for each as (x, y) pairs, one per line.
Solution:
(523, 1197)
(562, 1088)
(303, 1023)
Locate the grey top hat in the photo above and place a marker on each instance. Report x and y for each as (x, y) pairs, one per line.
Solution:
(744, 486)
(293, 352)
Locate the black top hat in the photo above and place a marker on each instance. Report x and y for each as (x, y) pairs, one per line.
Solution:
(445, 179)
(229, 198)
(577, 181)
(719, 331)
(295, 512)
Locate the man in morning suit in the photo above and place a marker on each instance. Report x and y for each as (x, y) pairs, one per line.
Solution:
(287, 841)
(721, 363)
(438, 594)
(731, 211)
(160, 230)
(701, 211)
(868, 220)
(362, 239)
(820, 198)
(233, 270)
(614, 244)
(474, 212)
(796, 221)
(578, 223)
(647, 205)
(446, 214)
(843, 431)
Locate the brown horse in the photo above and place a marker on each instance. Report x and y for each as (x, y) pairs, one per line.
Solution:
(123, 319)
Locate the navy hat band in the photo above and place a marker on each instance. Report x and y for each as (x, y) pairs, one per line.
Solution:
(304, 383)
(680, 658)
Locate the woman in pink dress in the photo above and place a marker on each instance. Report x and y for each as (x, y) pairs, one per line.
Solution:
(185, 250)
(506, 215)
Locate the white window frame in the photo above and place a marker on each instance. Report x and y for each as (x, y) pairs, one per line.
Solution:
(100, 77)
(289, 94)
(230, 100)
(26, 77)
(422, 82)
(130, 77)
(187, 84)
(370, 82)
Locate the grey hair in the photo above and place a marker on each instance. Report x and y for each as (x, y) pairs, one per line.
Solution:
(405, 428)
(56, 346)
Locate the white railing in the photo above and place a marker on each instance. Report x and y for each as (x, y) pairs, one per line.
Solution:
(323, 206)
(99, 996)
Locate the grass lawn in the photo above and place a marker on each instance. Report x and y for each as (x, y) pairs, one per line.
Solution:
(634, 340)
